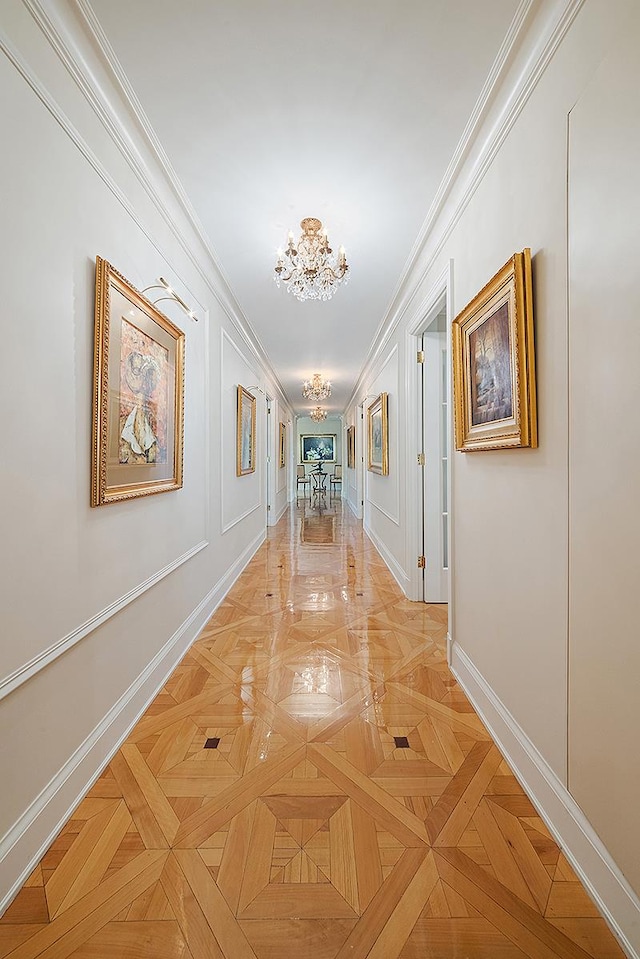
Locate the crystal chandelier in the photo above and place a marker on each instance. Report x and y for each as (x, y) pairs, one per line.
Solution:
(317, 388)
(318, 415)
(311, 272)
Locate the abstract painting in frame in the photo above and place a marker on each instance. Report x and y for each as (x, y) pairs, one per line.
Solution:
(351, 447)
(282, 444)
(138, 394)
(245, 432)
(494, 363)
(318, 448)
(378, 432)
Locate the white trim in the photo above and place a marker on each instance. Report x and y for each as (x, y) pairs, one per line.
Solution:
(394, 567)
(569, 826)
(394, 519)
(238, 519)
(449, 649)
(515, 99)
(19, 676)
(29, 838)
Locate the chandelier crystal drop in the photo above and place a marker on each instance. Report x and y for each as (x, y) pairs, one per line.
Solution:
(318, 415)
(310, 270)
(316, 388)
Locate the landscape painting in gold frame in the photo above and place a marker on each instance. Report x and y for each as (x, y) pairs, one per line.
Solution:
(351, 447)
(494, 382)
(245, 432)
(282, 444)
(138, 386)
(378, 432)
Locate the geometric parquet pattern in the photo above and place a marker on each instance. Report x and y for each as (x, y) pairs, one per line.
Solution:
(308, 831)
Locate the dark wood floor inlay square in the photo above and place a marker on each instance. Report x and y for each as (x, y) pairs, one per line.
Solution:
(212, 743)
(401, 742)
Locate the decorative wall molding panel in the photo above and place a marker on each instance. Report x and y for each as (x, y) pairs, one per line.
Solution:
(25, 672)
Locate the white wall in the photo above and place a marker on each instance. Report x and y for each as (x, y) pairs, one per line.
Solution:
(98, 604)
(604, 337)
(511, 509)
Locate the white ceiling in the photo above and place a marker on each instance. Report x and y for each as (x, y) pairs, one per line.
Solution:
(272, 111)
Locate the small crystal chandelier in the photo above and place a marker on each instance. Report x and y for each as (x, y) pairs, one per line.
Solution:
(311, 272)
(318, 415)
(317, 388)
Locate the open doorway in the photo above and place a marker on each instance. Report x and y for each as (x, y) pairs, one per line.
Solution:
(269, 485)
(433, 381)
(430, 424)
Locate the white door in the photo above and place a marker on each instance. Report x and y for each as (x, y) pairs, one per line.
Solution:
(435, 487)
(269, 483)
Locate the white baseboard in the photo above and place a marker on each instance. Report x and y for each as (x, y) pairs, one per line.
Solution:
(276, 519)
(449, 649)
(579, 841)
(356, 510)
(29, 838)
(395, 568)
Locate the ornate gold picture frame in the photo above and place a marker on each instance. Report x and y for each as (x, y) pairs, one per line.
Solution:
(378, 433)
(494, 381)
(245, 432)
(282, 445)
(138, 394)
(351, 447)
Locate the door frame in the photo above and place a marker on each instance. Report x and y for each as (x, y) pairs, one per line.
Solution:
(442, 288)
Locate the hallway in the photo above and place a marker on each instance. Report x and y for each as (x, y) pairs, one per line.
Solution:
(310, 782)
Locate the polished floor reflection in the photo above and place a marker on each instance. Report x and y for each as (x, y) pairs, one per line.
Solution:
(311, 782)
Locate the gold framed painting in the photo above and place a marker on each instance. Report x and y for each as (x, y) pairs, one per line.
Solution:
(351, 447)
(282, 444)
(378, 432)
(245, 432)
(138, 394)
(494, 382)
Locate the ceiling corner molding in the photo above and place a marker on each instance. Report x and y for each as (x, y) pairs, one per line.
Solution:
(435, 229)
(78, 69)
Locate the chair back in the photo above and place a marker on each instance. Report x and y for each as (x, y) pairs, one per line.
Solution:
(337, 472)
(300, 472)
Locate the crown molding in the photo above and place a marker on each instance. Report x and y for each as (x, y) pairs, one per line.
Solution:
(458, 186)
(77, 63)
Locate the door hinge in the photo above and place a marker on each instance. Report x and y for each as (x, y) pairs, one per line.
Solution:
(422, 563)
(268, 412)
(420, 356)
(420, 459)
(268, 508)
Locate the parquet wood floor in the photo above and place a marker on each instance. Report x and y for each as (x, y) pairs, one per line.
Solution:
(348, 804)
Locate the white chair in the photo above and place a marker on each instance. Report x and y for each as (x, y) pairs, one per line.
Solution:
(302, 480)
(335, 479)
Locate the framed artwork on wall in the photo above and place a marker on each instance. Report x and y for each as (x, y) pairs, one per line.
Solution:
(318, 448)
(245, 432)
(282, 444)
(351, 447)
(378, 432)
(138, 394)
(494, 383)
